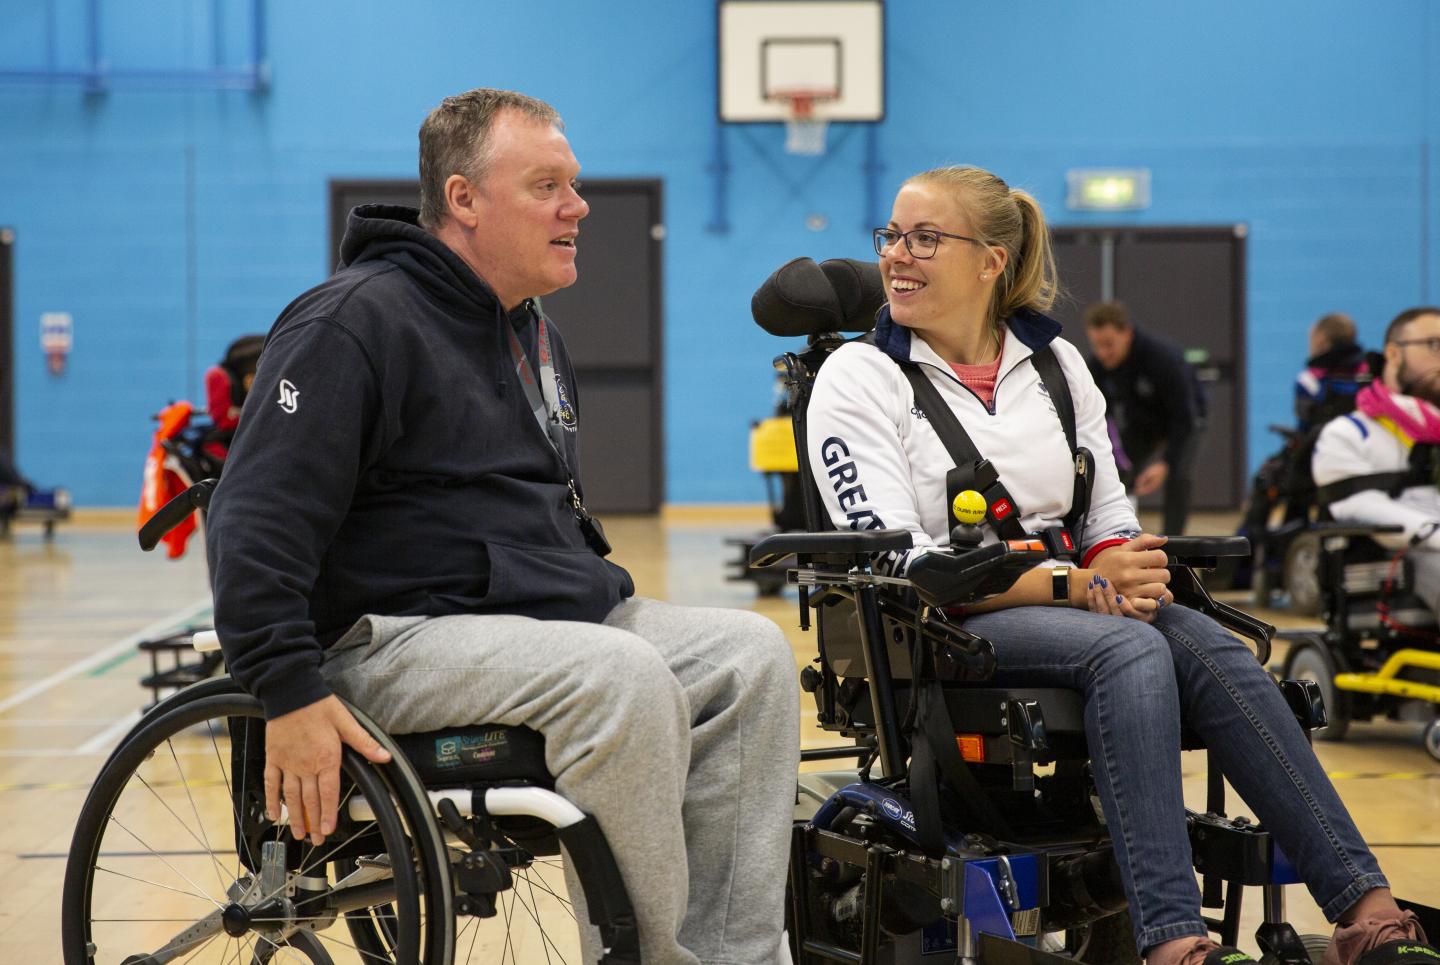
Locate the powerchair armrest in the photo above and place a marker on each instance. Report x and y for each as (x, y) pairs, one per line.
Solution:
(836, 547)
(1189, 591)
(1202, 552)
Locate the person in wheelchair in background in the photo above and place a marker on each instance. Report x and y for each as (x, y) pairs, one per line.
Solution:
(1377, 465)
(227, 382)
(1332, 374)
(968, 272)
(399, 523)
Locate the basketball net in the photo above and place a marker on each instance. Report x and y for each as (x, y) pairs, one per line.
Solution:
(804, 132)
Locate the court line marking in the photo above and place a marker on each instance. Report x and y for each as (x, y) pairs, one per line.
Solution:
(111, 734)
(115, 649)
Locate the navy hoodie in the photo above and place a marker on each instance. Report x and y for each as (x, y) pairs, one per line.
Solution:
(388, 462)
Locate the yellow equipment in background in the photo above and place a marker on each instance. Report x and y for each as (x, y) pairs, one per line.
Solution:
(772, 446)
(1387, 680)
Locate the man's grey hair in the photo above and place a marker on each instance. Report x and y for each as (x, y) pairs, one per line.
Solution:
(455, 139)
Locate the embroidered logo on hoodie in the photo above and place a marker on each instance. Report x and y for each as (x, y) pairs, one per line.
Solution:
(289, 396)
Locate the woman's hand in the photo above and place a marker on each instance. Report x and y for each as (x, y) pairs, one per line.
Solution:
(1135, 569)
(1102, 597)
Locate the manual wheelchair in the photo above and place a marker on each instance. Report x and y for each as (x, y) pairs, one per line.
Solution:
(450, 853)
(980, 838)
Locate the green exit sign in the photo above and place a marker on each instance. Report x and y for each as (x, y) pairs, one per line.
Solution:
(1109, 189)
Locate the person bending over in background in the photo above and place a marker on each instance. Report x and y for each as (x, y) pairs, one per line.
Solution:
(968, 272)
(1157, 404)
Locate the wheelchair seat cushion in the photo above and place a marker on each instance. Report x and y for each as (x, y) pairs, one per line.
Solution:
(477, 754)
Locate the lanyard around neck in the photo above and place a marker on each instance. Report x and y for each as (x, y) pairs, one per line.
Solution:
(545, 404)
(544, 399)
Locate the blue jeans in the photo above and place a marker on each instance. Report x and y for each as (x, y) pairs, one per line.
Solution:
(1139, 680)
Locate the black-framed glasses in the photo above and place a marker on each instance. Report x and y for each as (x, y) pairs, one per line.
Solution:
(1432, 344)
(921, 242)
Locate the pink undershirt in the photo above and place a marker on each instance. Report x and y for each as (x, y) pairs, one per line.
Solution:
(980, 379)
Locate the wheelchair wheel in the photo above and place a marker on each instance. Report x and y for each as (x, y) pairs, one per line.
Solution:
(172, 858)
(1312, 660)
(1431, 738)
(1301, 575)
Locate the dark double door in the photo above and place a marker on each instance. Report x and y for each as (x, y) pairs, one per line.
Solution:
(1187, 284)
(611, 320)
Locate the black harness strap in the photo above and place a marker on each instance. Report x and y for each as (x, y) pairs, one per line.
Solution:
(974, 471)
(1058, 387)
(1052, 376)
(1390, 483)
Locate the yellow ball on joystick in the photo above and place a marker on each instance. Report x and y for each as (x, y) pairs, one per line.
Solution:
(969, 509)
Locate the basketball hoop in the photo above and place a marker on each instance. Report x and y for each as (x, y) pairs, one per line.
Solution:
(804, 132)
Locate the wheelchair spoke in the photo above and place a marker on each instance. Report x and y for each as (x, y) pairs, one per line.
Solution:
(153, 884)
(539, 926)
(564, 902)
(470, 955)
(509, 932)
(371, 956)
(531, 885)
(230, 794)
(202, 840)
(116, 821)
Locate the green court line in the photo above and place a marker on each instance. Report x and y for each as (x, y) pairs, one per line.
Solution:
(101, 670)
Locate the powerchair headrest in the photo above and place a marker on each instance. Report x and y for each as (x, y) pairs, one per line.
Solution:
(803, 298)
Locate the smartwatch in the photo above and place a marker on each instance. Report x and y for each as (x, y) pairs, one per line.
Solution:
(1060, 584)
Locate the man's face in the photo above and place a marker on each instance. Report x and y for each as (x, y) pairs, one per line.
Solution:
(1411, 366)
(526, 210)
(1111, 345)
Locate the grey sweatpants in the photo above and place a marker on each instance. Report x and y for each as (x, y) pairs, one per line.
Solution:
(676, 727)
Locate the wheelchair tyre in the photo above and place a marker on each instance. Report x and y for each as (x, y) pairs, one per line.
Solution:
(1301, 575)
(156, 858)
(1312, 660)
(1431, 738)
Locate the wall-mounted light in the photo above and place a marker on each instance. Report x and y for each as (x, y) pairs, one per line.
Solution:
(1107, 189)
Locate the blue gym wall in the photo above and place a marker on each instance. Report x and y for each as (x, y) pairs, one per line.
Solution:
(166, 222)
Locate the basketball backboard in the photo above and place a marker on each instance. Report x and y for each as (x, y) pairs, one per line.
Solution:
(831, 52)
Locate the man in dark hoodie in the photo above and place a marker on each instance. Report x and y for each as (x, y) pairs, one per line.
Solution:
(399, 523)
(1157, 403)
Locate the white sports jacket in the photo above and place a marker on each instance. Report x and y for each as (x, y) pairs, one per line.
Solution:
(880, 465)
(1356, 445)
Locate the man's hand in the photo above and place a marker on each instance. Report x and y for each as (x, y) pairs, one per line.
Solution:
(302, 764)
(1136, 569)
(1151, 478)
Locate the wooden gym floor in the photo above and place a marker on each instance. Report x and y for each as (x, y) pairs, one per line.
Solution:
(71, 611)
